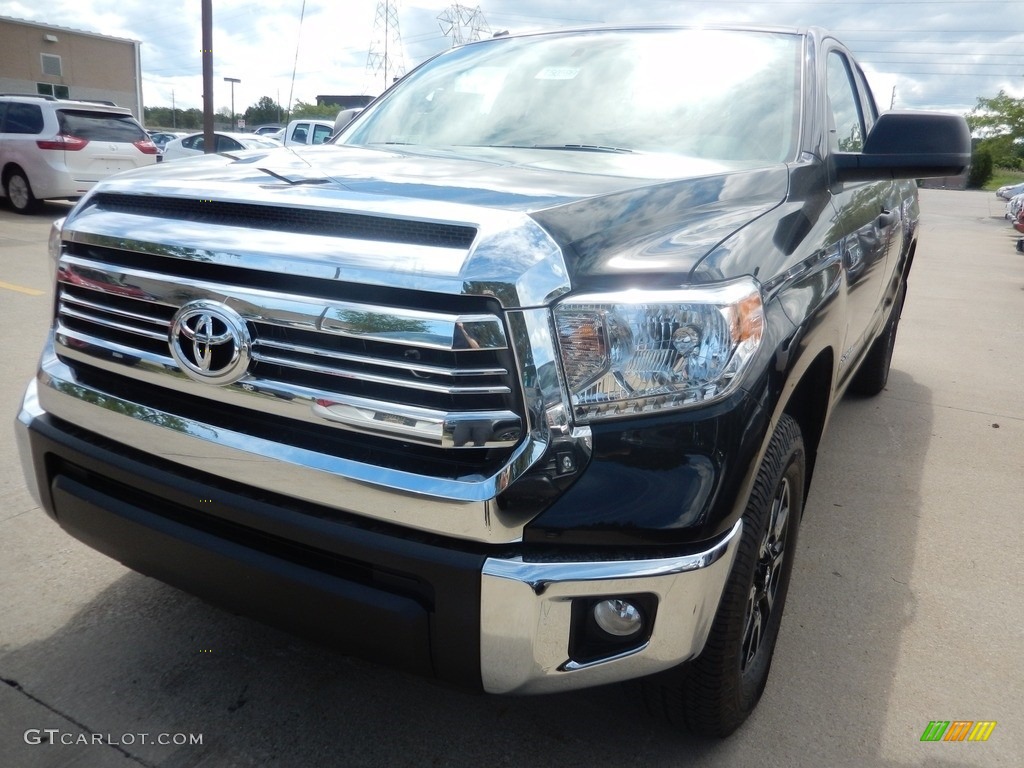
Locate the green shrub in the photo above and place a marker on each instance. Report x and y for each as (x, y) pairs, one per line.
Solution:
(981, 168)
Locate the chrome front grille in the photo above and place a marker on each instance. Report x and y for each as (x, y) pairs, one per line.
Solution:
(396, 357)
(444, 380)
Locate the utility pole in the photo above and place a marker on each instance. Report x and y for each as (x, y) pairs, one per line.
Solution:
(233, 80)
(208, 143)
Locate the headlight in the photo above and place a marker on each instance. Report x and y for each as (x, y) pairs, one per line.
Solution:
(646, 351)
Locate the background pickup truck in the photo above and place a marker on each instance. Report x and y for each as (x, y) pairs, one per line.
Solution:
(307, 131)
(518, 383)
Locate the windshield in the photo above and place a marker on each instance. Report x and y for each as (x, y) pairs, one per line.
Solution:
(719, 95)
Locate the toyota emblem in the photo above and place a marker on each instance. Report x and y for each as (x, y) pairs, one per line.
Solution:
(210, 342)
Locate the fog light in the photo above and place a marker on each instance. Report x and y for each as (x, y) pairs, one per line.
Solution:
(618, 617)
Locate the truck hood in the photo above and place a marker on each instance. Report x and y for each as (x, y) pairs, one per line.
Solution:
(596, 213)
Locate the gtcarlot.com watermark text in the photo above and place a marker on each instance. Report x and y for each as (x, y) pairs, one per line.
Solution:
(57, 736)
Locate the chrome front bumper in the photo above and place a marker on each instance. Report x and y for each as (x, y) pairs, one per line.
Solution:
(526, 609)
(462, 508)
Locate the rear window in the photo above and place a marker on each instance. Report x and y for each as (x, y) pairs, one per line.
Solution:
(100, 126)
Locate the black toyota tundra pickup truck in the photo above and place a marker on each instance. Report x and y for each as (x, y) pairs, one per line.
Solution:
(517, 383)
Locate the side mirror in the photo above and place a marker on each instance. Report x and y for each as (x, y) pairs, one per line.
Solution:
(909, 145)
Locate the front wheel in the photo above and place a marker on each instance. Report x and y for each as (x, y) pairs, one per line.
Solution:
(19, 192)
(713, 694)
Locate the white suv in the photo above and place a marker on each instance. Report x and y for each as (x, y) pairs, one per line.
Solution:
(53, 148)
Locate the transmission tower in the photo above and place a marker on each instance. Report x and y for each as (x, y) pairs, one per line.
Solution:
(463, 24)
(386, 61)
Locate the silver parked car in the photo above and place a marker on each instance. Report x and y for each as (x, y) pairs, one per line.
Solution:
(1010, 191)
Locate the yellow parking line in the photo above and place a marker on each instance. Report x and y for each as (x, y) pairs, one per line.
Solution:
(21, 289)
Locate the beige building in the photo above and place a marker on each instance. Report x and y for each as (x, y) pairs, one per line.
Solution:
(68, 63)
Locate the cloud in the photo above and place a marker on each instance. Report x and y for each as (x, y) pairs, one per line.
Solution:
(944, 59)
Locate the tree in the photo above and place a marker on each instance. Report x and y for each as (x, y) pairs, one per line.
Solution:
(999, 121)
(178, 119)
(302, 109)
(266, 110)
(1001, 115)
(1004, 151)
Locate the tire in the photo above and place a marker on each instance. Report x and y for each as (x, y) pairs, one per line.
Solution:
(19, 192)
(713, 694)
(873, 373)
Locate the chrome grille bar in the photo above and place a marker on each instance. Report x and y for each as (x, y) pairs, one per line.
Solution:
(394, 325)
(70, 298)
(70, 311)
(426, 370)
(72, 343)
(373, 378)
(432, 330)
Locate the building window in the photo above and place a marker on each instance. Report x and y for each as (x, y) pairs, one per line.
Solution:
(51, 64)
(48, 89)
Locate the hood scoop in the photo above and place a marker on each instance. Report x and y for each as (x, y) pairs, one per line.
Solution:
(290, 219)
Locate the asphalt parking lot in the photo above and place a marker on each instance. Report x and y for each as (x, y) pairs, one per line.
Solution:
(905, 607)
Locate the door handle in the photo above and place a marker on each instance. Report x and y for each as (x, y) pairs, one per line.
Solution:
(886, 219)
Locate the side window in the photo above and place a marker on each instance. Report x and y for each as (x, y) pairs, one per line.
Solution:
(3, 114)
(299, 133)
(867, 101)
(321, 133)
(227, 144)
(846, 127)
(23, 118)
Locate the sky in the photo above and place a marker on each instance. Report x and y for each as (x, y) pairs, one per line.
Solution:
(918, 54)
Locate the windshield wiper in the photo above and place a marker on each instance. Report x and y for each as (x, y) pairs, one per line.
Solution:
(584, 148)
(569, 147)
